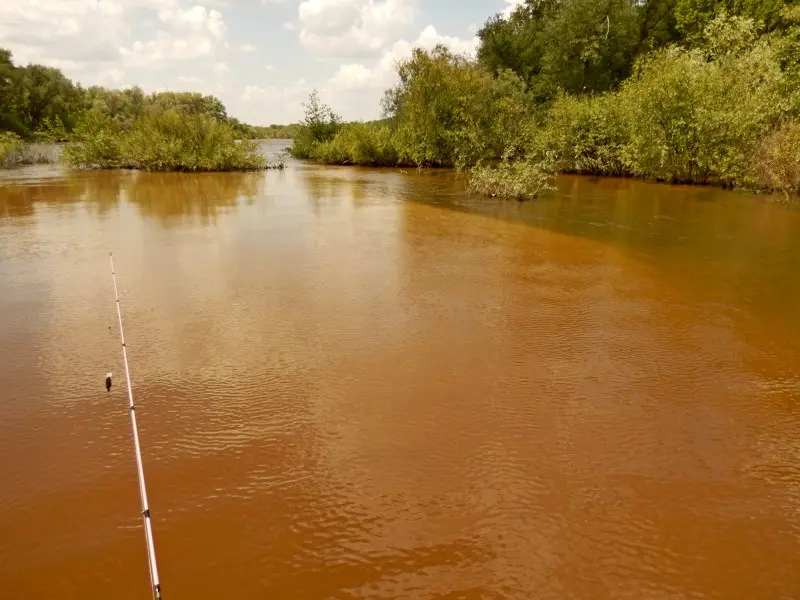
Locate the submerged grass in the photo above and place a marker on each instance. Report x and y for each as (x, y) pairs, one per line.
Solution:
(15, 152)
(512, 179)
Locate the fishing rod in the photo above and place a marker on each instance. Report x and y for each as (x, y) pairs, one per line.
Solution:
(148, 530)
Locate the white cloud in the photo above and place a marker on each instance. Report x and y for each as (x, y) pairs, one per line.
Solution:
(355, 76)
(510, 6)
(220, 68)
(197, 19)
(269, 68)
(353, 27)
(276, 103)
(297, 90)
(247, 48)
(115, 75)
(288, 26)
(95, 39)
(165, 48)
(37, 31)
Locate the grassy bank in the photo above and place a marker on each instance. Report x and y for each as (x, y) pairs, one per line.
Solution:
(720, 107)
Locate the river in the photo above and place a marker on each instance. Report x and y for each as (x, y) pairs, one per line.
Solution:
(359, 383)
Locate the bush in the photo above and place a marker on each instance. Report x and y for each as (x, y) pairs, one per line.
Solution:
(320, 125)
(696, 116)
(174, 142)
(587, 134)
(366, 144)
(451, 112)
(14, 152)
(10, 146)
(522, 179)
(167, 141)
(96, 143)
(776, 164)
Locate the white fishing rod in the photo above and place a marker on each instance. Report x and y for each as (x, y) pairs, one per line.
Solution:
(148, 530)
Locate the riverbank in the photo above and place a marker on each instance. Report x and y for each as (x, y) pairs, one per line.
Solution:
(721, 108)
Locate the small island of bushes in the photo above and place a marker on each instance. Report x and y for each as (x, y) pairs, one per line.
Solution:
(99, 128)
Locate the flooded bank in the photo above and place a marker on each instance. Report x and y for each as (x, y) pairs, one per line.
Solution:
(360, 383)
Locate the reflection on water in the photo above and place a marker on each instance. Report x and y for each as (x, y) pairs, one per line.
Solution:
(362, 383)
(162, 195)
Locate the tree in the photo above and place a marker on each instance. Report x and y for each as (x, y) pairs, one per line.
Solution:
(692, 16)
(571, 45)
(44, 92)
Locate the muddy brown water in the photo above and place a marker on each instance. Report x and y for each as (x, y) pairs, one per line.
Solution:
(365, 384)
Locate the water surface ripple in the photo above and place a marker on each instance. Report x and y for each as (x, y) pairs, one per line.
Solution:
(364, 384)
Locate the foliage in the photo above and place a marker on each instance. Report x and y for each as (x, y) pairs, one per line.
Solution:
(367, 144)
(776, 162)
(693, 16)
(581, 46)
(450, 112)
(38, 102)
(699, 111)
(319, 125)
(275, 132)
(31, 95)
(573, 45)
(96, 143)
(10, 145)
(696, 115)
(439, 106)
(523, 179)
(587, 134)
(51, 130)
(165, 141)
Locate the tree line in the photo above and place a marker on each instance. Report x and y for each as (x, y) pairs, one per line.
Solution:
(37, 101)
(109, 128)
(694, 91)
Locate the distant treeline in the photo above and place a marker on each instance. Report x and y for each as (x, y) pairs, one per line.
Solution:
(694, 91)
(127, 128)
(39, 101)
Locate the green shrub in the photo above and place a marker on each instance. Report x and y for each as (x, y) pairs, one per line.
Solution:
(587, 134)
(96, 143)
(522, 179)
(174, 142)
(776, 163)
(364, 144)
(451, 112)
(10, 146)
(697, 115)
(15, 152)
(166, 141)
(319, 125)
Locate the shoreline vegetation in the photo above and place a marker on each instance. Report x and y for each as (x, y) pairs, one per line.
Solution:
(99, 128)
(682, 91)
(679, 91)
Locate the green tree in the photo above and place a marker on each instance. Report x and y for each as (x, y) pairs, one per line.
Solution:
(320, 124)
(44, 92)
(573, 45)
(449, 111)
(692, 16)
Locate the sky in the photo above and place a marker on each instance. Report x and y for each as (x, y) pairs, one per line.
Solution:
(260, 57)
